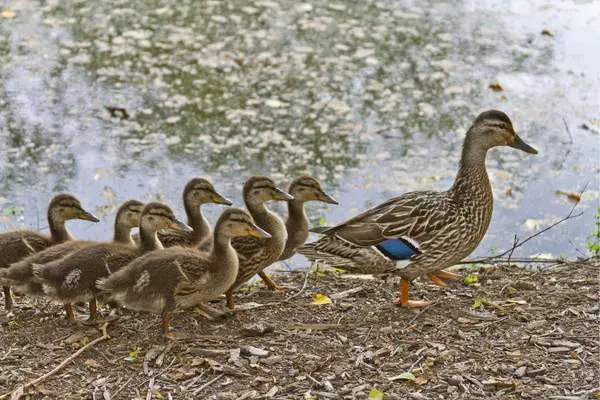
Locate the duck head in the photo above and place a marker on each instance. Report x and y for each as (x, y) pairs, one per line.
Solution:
(307, 188)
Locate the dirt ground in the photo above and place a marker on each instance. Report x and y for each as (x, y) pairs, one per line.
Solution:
(515, 333)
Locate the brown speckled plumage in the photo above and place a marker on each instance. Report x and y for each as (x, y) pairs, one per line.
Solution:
(17, 245)
(257, 254)
(303, 189)
(178, 277)
(197, 192)
(444, 227)
(73, 278)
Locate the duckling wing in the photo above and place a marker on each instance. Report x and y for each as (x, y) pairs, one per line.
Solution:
(19, 244)
(170, 238)
(75, 275)
(248, 247)
(154, 280)
(22, 272)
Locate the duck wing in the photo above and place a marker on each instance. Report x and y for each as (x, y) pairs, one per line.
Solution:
(415, 217)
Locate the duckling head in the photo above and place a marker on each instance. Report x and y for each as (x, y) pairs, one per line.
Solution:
(235, 222)
(157, 216)
(259, 189)
(493, 128)
(200, 191)
(64, 207)
(129, 214)
(307, 188)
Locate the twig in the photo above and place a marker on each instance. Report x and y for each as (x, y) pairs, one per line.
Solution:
(415, 363)
(515, 260)
(568, 130)
(301, 289)
(517, 243)
(408, 325)
(18, 392)
(207, 384)
(121, 388)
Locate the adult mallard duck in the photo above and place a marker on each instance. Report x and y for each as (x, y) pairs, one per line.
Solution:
(73, 278)
(303, 189)
(181, 278)
(20, 274)
(17, 245)
(257, 254)
(431, 230)
(196, 193)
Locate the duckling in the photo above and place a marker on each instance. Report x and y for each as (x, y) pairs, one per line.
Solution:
(303, 189)
(197, 192)
(20, 274)
(17, 245)
(257, 254)
(72, 278)
(178, 277)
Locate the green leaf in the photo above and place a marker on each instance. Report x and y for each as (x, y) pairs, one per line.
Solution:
(320, 299)
(375, 394)
(470, 279)
(407, 376)
(133, 355)
(12, 210)
(477, 303)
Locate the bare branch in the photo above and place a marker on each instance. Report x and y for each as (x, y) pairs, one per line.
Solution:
(517, 244)
(18, 392)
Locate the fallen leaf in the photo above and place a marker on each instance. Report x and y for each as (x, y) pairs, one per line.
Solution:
(133, 355)
(420, 380)
(8, 14)
(320, 299)
(571, 196)
(92, 363)
(496, 87)
(375, 394)
(547, 32)
(408, 376)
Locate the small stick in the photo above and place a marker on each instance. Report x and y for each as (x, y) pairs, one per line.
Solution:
(568, 130)
(517, 244)
(18, 392)
(122, 387)
(301, 289)
(207, 384)
(408, 325)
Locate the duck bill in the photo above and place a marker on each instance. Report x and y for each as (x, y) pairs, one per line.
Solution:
(88, 216)
(282, 196)
(259, 233)
(521, 145)
(218, 199)
(325, 198)
(177, 225)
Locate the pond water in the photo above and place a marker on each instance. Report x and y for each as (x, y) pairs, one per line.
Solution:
(373, 99)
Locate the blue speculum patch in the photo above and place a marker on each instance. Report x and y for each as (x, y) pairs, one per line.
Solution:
(396, 249)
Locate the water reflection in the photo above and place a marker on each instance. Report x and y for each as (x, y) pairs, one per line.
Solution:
(373, 97)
